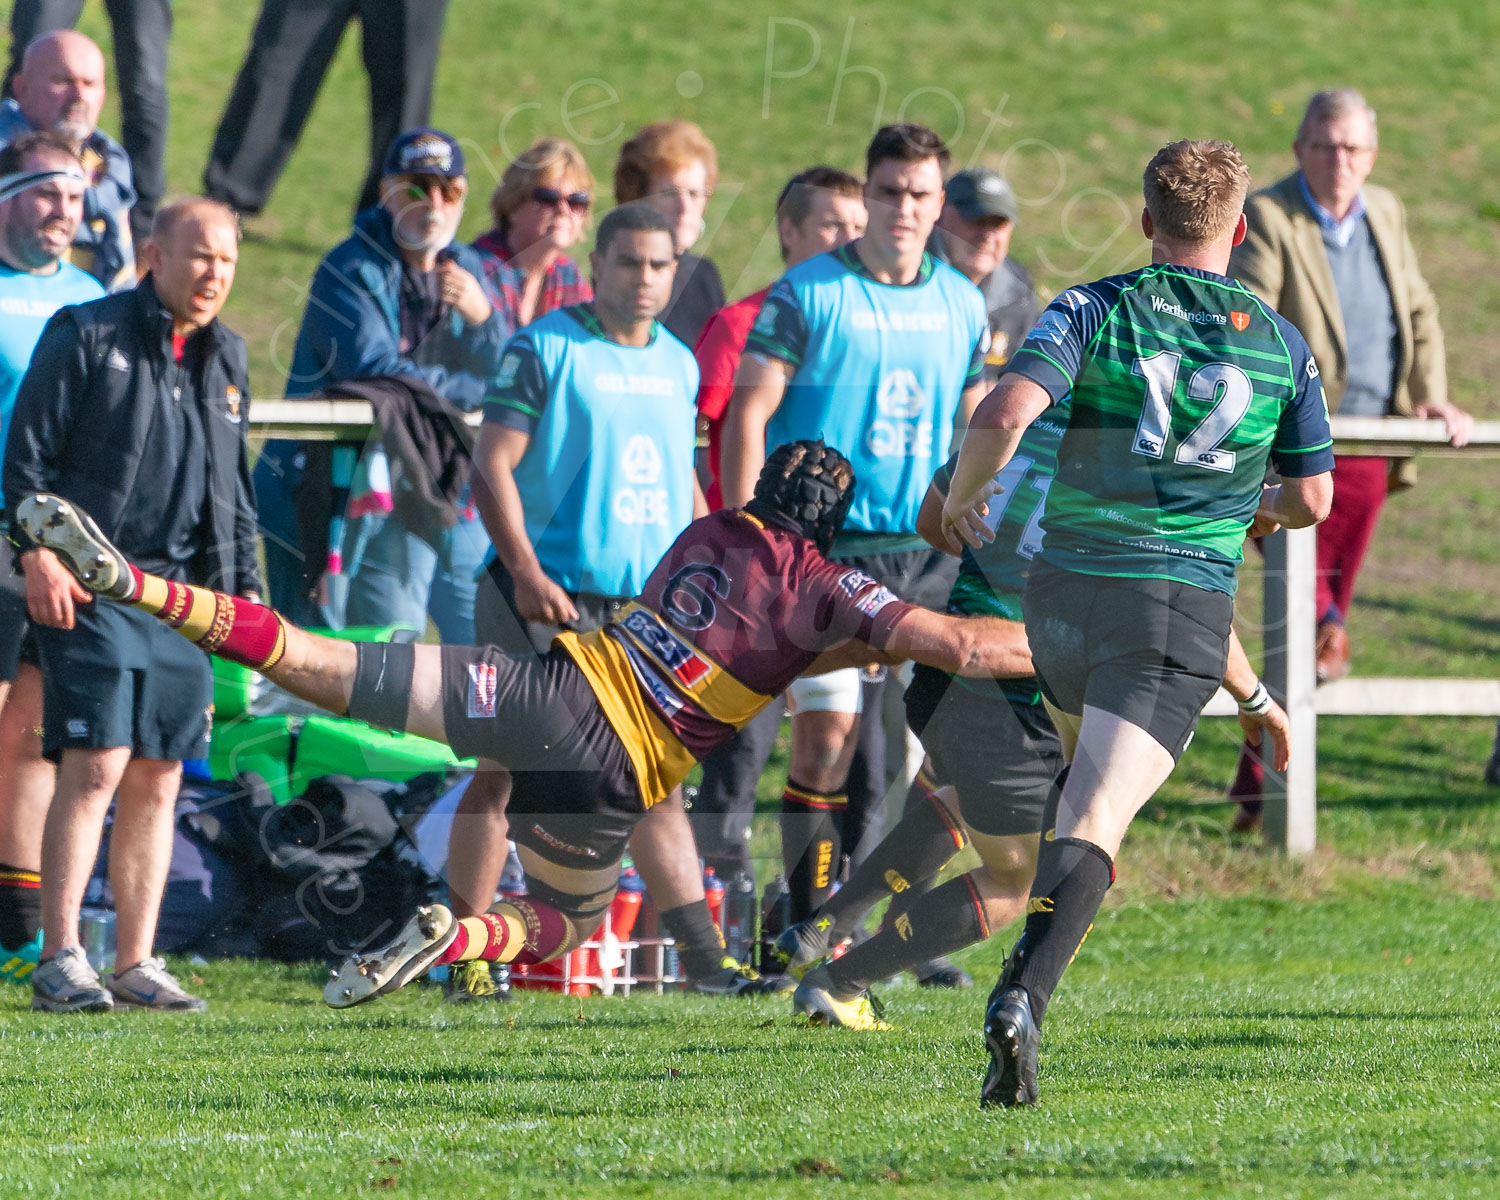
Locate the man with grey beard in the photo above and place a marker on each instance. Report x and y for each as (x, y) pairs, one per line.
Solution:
(41, 204)
(399, 297)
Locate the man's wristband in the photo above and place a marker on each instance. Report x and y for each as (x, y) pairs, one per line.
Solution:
(1258, 702)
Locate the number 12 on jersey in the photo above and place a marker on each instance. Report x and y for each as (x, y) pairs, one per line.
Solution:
(1223, 383)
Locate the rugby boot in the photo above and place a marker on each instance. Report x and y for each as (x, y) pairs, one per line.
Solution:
(16, 966)
(817, 997)
(420, 943)
(1012, 1037)
(476, 980)
(942, 972)
(70, 533)
(803, 944)
(733, 978)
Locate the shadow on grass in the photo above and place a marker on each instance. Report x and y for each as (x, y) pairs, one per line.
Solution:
(1323, 1014)
(1415, 617)
(1215, 1041)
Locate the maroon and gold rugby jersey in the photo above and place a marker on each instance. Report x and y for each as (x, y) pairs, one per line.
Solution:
(735, 610)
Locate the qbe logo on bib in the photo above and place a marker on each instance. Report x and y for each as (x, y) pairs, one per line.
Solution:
(899, 431)
(642, 502)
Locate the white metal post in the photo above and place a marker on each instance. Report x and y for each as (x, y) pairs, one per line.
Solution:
(1291, 801)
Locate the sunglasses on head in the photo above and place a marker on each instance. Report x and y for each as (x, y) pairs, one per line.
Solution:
(419, 187)
(552, 198)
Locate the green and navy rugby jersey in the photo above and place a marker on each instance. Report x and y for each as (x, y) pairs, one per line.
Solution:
(1183, 385)
(991, 579)
(878, 370)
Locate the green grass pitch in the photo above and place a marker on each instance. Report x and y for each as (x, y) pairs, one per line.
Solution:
(1236, 1025)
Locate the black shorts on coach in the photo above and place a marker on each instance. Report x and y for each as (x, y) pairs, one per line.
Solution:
(13, 619)
(120, 677)
(1150, 651)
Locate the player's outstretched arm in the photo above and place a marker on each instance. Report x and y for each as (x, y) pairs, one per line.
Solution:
(982, 646)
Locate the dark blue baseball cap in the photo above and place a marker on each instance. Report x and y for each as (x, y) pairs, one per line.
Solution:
(424, 152)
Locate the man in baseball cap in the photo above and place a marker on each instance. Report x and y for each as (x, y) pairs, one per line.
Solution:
(973, 234)
(424, 152)
(399, 297)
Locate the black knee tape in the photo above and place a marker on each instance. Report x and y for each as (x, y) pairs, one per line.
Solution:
(382, 683)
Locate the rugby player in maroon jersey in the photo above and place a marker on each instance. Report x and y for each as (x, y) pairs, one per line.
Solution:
(607, 723)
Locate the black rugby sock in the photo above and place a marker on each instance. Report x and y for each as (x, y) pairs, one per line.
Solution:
(810, 845)
(698, 942)
(902, 865)
(20, 906)
(1071, 878)
(946, 919)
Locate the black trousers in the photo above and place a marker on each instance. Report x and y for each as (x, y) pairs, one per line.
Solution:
(142, 29)
(293, 43)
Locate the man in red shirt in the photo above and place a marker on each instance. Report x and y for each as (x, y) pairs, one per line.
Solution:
(819, 209)
(607, 723)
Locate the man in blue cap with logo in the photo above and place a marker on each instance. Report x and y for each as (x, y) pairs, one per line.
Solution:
(398, 297)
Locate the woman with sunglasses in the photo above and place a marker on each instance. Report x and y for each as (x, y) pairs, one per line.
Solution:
(673, 167)
(539, 207)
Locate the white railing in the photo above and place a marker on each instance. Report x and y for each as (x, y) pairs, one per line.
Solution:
(1289, 614)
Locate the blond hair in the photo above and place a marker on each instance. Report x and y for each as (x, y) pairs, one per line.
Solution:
(1195, 191)
(658, 149)
(545, 163)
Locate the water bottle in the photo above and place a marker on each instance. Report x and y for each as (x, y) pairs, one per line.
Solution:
(512, 884)
(739, 917)
(513, 877)
(713, 895)
(776, 915)
(96, 929)
(626, 907)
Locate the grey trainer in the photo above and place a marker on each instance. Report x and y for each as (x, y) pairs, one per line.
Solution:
(149, 984)
(68, 984)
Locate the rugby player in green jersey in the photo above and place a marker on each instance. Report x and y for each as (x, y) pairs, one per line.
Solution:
(1182, 386)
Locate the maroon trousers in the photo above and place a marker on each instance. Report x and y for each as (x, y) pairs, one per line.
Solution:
(1359, 491)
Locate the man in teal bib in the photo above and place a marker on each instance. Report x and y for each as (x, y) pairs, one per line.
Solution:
(587, 451)
(42, 184)
(1183, 387)
(877, 348)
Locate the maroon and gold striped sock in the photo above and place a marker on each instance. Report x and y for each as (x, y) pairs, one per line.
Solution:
(518, 930)
(234, 628)
(486, 936)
